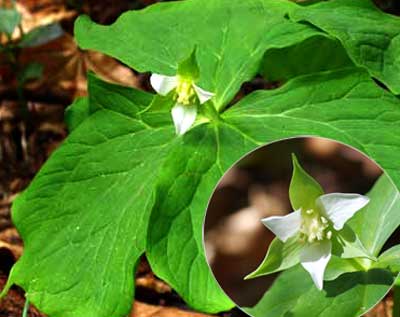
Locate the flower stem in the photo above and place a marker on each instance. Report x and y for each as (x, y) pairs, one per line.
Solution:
(396, 299)
(359, 265)
(26, 308)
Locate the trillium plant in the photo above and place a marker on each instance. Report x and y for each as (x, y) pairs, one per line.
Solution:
(316, 222)
(135, 174)
(187, 96)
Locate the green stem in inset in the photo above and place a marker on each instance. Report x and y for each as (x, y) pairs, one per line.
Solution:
(26, 308)
(396, 299)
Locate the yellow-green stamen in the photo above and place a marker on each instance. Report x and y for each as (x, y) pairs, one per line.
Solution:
(185, 91)
(314, 227)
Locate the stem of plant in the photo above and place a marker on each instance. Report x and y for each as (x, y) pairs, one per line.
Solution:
(358, 265)
(396, 300)
(26, 308)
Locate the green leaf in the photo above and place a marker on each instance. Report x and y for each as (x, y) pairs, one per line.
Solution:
(381, 216)
(230, 37)
(9, 20)
(30, 72)
(130, 185)
(77, 112)
(370, 36)
(81, 242)
(280, 256)
(338, 266)
(390, 259)
(304, 189)
(315, 54)
(175, 249)
(116, 98)
(41, 35)
(352, 295)
(340, 105)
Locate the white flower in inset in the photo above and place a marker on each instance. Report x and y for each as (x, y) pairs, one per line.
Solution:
(315, 228)
(184, 111)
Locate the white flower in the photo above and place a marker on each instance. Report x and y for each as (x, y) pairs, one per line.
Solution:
(184, 111)
(315, 228)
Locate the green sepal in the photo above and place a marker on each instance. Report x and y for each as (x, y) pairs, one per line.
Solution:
(346, 244)
(304, 189)
(208, 111)
(161, 103)
(189, 67)
(280, 256)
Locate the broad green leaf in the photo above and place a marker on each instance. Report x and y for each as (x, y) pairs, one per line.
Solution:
(344, 105)
(304, 189)
(41, 35)
(123, 176)
(390, 259)
(77, 112)
(338, 266)
(230, 37)
(117, 98)
(351, 295)
(175, 249)
(381, 216)
(9, 20)
(315, 54)
(370, 36)
(280, 256)
(83, 219)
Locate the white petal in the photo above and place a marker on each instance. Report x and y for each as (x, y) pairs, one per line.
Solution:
(183, 117)
(341, 207)
(163, 84)
(203, 95)
(284, 227)
(314, 258)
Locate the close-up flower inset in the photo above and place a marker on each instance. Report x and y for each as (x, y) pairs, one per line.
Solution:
(303, 215)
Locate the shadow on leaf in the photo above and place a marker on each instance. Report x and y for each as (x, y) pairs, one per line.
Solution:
(348, 281)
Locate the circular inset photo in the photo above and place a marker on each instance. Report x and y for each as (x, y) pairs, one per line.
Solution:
(304, 227)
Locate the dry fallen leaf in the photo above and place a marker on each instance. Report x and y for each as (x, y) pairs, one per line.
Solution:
(65, 68)
(37, 13)
(65, 65)
(146, 310)
(10, 241)
(150, 282)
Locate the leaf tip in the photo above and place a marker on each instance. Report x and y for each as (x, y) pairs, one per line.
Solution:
(295, 162)
(81, 27)
(250, 276)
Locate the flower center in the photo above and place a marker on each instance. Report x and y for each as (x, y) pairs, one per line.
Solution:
(185, 91)
(314, 227)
